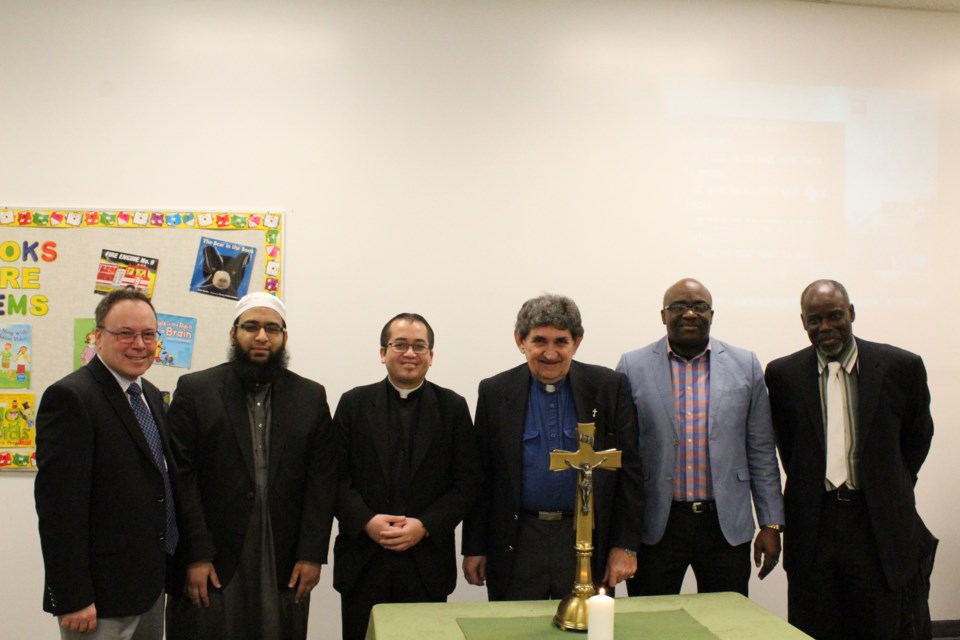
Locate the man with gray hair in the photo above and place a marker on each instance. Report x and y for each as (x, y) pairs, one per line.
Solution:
(257, 479)
(519, 540)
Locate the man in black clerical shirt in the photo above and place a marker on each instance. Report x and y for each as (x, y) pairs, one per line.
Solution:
(408, 474)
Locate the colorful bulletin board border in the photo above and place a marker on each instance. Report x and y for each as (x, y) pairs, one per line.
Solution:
(269, 223)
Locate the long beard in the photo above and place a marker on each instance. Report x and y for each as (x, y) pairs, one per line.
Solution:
(258, 372)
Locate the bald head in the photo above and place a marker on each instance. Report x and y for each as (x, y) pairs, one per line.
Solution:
(824, 285)
(687, 313)
(686, 286)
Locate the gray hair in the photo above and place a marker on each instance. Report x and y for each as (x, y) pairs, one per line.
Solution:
(549, 310)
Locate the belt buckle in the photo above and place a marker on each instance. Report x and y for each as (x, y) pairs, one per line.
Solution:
(698, 507)
(550, 516)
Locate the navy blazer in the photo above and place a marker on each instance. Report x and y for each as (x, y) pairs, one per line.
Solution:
(895, 430)
(444, 480)
(210, 434)
(492, 528)
(99, 496)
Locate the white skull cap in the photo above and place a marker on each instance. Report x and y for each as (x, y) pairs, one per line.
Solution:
(260, 299)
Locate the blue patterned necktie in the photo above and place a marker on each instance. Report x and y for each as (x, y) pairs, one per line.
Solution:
(152, 434)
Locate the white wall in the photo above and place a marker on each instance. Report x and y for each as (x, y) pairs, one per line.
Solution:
(454, 159)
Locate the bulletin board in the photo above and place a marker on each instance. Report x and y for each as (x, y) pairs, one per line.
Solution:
(55, 266)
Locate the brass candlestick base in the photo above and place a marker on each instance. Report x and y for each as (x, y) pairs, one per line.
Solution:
(572, 612)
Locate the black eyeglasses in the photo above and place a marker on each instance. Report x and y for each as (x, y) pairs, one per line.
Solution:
(683, 307)
(125, 336)
(401, 347)
(272, 328)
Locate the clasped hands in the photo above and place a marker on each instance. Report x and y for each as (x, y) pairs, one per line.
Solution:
(395, 533)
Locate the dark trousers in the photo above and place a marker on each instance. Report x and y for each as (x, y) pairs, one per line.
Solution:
(691, 540)
(845, 593)
(391, 577)
(545, 564)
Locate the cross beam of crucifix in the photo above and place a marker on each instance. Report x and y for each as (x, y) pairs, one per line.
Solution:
(585, 460)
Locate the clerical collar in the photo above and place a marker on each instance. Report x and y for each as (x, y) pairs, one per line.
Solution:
(405, 393)
(552, 387)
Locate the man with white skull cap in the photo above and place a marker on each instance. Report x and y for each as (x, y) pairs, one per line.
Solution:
(257, 486)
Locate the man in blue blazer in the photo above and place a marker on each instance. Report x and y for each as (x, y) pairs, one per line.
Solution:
(707, 447)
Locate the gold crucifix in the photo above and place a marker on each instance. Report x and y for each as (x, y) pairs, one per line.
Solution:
(572, 612)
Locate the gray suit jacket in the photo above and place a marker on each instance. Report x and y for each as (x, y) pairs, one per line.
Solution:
(743, 456)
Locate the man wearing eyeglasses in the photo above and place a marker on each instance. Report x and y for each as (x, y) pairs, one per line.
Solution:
(707, 442)
(408, 474)
(519, 540)
(257, 473)
(103, 489)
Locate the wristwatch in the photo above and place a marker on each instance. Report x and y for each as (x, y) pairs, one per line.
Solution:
(776, 527)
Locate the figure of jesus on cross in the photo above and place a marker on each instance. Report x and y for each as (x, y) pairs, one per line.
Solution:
(572, 612)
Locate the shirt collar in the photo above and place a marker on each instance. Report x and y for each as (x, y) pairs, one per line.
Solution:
(671, 353)
(847, 358)
(123, 381)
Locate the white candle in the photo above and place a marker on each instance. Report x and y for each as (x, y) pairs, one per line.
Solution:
(600, 617)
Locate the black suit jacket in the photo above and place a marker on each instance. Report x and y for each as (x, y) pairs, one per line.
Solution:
(444, 480)
(99, 496)
(895, 429)
(210, 434)
(492, 528)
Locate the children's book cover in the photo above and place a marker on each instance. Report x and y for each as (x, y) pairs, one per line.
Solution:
(15, 355)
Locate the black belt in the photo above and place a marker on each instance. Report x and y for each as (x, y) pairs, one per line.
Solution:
(844, 495)
(697, 507)
(549, 516)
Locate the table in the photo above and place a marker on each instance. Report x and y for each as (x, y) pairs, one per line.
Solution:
(729, 616)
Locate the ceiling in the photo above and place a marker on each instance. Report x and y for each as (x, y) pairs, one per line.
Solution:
(924, 5)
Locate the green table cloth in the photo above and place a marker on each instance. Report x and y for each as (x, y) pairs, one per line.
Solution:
(713, 616)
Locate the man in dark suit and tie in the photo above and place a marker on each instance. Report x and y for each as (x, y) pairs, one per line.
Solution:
(408, 474)
(853, 425)
(519, 540)
(103, 491)
(256, 457)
